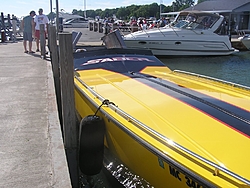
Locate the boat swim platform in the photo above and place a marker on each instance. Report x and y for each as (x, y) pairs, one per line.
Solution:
(31, 145)
(237, 44)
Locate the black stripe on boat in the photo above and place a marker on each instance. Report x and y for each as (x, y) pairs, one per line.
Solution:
(231, 115)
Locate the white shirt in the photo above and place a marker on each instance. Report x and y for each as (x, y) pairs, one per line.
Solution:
(41, 19)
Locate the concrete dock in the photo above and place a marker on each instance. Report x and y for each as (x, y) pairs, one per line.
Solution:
(31, 146)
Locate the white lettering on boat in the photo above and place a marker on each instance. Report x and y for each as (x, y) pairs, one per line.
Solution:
(116, 59)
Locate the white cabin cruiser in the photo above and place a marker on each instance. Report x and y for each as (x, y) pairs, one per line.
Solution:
(193, 33)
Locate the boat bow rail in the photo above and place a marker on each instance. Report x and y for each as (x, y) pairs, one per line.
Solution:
(149, 32)
(164, 140)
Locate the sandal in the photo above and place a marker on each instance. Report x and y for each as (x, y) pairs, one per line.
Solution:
(31, 52)
(26, 51)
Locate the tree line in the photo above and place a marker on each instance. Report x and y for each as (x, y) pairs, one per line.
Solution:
(125, 13)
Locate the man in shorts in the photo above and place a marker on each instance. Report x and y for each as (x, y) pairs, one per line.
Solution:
(27, 25)
(40, 19)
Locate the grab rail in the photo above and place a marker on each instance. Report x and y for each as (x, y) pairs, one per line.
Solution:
(164, 139)
(148, 35)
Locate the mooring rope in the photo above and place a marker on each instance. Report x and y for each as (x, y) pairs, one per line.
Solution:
(105, 102)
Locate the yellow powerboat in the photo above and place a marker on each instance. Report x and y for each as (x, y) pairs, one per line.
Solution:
(167, 128)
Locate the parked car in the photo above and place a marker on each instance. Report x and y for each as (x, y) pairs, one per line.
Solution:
(77, 22)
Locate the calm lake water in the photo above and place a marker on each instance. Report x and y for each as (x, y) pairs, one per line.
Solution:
(234, 68)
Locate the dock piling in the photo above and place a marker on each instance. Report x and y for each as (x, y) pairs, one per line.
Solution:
(53, 47)
(42, 41)
(68, 105)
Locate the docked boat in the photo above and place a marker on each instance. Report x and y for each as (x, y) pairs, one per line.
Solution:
(156, 127)
(76, 23)
(193, 33)
(245, 41)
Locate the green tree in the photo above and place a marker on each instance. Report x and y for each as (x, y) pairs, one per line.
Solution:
(98, 12)
(74, 11)
(91, 13)
(166, 9)
(142, 11)
(154, 10)
(125, 13)
(132, 9)
(200, 1)
(179, 5)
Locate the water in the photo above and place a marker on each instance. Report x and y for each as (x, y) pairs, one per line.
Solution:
(234, 68)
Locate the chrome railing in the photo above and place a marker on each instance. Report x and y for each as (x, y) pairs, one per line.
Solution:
(170, 143)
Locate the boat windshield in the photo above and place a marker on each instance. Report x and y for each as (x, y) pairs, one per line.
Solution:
(181, 23)
(196, 21)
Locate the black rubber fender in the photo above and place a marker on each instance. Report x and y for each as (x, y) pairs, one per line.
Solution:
(91, 144)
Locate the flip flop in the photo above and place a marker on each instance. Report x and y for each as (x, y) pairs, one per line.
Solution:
(26, 51)
(31, 52)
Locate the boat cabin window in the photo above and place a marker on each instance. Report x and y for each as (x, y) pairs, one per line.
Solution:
(181, 23)
(197, 21)
(79, 21)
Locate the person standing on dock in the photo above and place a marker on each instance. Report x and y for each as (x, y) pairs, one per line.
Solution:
(27, 25)
(40, 19)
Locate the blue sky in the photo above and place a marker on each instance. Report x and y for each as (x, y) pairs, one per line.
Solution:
(23, 7)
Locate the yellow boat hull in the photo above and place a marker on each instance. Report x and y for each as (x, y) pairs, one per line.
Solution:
(171, 128)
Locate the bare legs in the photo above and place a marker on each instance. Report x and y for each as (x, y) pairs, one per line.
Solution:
(25, 46)
(37, 44)
(30, 46)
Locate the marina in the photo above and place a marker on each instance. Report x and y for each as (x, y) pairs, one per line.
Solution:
(84, 112)
(233, 68)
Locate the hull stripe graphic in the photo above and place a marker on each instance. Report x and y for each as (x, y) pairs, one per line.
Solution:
(234, 117)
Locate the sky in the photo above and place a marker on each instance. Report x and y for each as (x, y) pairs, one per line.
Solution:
(22, 8)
